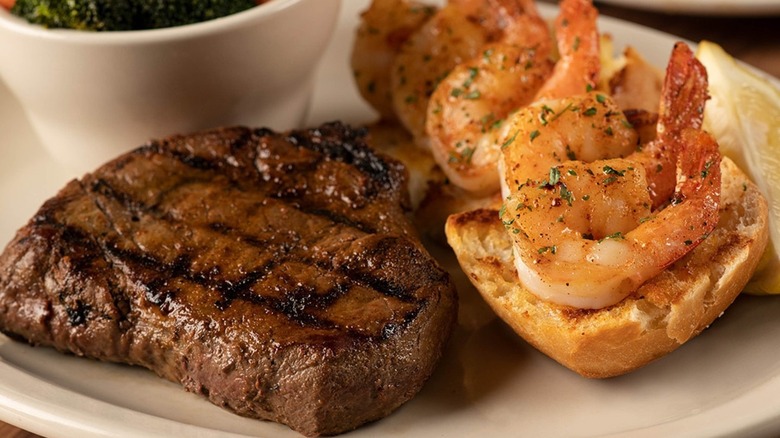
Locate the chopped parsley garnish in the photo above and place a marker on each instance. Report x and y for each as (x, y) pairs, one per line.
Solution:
(472, 74)
(568, 107)
(474, 95)
(555, 176)
(566, 194)
(510, 140)
(615, 235)
(609, 170)
(467, 154)
(570, 153)
(706, 170)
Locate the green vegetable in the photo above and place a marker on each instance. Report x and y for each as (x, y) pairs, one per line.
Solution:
(168, 13)
(106, 15)
(77, 14)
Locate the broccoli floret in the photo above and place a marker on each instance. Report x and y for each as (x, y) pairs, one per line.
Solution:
(168, 13)
(103, 15)
(78, 14)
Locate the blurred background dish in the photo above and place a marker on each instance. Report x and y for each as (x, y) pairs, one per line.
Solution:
(703, 7)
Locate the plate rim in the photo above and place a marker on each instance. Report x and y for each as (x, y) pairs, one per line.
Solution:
(33, 411)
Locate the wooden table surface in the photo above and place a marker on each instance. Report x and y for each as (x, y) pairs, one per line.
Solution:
(754, 40)
(8, 431)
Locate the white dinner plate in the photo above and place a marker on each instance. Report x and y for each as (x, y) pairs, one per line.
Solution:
(704, 7)
(490, 383)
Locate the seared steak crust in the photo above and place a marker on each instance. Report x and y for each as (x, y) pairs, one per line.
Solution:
(275, 274)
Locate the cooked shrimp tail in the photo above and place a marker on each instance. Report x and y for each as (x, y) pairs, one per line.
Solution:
(578, 68)
(693, 210)
(684, 95)
(684, 92)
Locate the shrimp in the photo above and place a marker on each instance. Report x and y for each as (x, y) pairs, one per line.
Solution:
(637, 84)
(577, 70)
(384, 28)
(682, 106)
(456, 33)
(587, 234)
(466, 111)
(586, 127)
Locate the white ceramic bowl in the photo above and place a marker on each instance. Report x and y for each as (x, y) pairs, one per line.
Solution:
(93, 95)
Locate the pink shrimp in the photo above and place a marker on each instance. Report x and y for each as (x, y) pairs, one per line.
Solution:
(384, 27)
(465, 120)
(578, 68)
(466, 112)
(566, 249)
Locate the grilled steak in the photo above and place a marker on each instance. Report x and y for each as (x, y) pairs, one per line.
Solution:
(275, 274)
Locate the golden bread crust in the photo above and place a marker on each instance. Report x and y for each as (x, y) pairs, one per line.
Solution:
(661, 315)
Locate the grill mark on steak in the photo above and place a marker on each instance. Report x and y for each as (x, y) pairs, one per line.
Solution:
(231, 290)
(82, 251)
(238, 146)
(298, 297)
(196, 162)
(343, 148)
(335, 218)
(384, 286)
(104, 188)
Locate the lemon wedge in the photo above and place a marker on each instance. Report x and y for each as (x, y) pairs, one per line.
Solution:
(744, 116)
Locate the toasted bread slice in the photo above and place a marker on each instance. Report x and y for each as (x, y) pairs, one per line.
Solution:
(660, 316)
